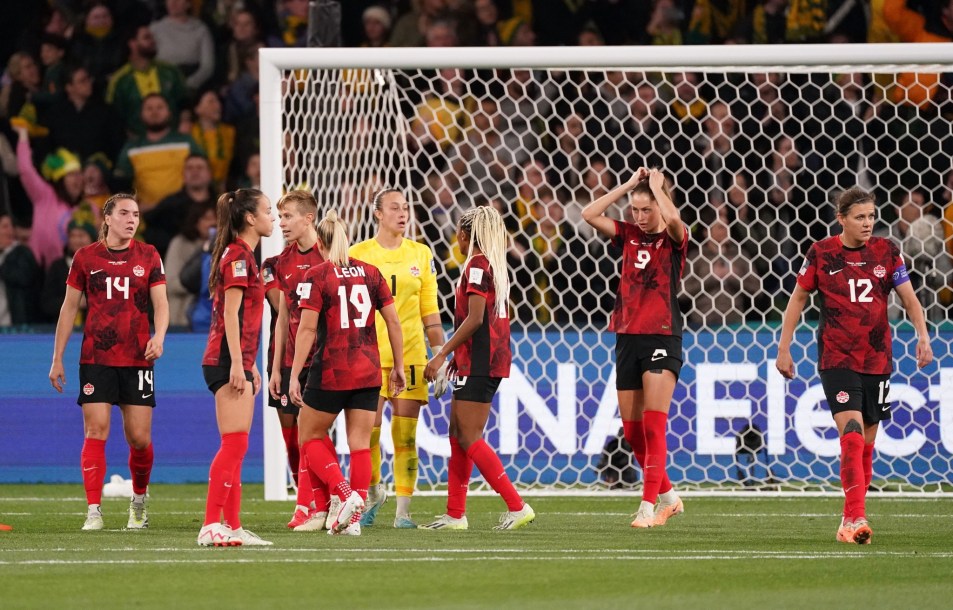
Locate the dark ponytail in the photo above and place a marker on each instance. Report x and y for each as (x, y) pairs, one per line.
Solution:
(232, 207)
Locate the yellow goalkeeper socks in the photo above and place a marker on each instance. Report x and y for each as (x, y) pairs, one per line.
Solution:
(404, 433)
(375, 455)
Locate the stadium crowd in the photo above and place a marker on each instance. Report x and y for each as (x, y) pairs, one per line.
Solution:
(160, 96)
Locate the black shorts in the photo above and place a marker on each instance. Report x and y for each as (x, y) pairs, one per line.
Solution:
(217, 376)
(476, 389)
(335, 401)
(636, 355)
(283, 403)
(116, 385)
(847, 390)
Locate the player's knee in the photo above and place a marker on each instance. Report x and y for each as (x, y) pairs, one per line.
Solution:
(853, 426)
(97, 432)
(139, 441)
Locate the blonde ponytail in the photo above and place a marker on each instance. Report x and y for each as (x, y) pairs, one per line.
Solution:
(332, 231)
(488, 235)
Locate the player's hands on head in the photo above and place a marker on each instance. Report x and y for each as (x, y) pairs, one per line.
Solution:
(785, 364)
(397, 381)
(58, 376)
(924, 352)
(656, 179)
(639, 175)
(153, 349)
(236, 377)
(274, 385)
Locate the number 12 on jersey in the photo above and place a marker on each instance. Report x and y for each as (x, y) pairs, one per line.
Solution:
(361, 299)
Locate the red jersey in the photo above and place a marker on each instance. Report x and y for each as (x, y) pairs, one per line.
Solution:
(290, 269)
(269, 281)
(486, 353)
(652, 265)
(854, 283)
(237, 269)
(117, 285)
(346, 356)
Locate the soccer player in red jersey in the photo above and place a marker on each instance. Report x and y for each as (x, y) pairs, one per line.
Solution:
(229, 364)
(481, 359)
(297, 211)
(338, 300)
(854, 274)
(648, 327)
(120, 277)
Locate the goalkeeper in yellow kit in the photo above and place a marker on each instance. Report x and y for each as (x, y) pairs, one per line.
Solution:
(408, 267)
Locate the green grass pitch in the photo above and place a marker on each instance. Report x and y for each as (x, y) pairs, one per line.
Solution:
(580, 553)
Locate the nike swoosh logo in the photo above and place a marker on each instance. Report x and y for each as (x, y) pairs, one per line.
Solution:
(95, 272)
(287, 276)
(835, 272)
(849, 488)
(228, 484)
(90, 468)
(887, 408)
(146, 395)
(654, 358)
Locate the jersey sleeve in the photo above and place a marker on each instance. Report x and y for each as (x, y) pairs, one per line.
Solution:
(157, 273)
(479, 278)
(807, 276)
(235, 272)
(428, 285)
(311, 293)
(621, 233)
(77, 273)
(898, 268)
(269, 273)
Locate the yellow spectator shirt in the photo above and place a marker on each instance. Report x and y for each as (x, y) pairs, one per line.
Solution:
(411, 275)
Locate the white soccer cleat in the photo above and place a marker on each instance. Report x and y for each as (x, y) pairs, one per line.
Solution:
(513, 520)
(349, 509)
(217, 534)
(94, 518)
(333, 511)
(354, 529)
(446, 522)
(376, 498)
(315, 523)
(138, 516)
(645, 517)
(666, 510)
(250, 538)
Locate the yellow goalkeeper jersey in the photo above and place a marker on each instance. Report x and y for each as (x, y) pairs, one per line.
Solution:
(412, 277)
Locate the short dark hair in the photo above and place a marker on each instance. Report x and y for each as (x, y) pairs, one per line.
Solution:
(851, 197)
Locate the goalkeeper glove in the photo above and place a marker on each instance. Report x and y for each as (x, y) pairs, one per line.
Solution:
(441, 382)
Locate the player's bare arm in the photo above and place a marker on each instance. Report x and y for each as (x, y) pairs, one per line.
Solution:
(396, 337)
(160, 308)
(670, 216)
(594, 213)
(792, 315)
(233, 336)
(911, 305)
(468, 327)
(64, 326)
(304, 339)
(281, 337)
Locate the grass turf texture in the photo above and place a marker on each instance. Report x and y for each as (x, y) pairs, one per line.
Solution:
(580, 553)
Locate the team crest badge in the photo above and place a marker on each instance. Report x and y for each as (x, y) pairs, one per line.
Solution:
(658, 244)
(415, 271)
(842, 397)
(284, 400)
(138, 271)
(880, 271)
(88, 389)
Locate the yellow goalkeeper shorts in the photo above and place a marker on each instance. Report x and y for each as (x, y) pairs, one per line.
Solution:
(417, 387)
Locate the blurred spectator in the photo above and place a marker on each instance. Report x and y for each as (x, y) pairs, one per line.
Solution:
(141, 76)
(153, 163)
(411, 28)
(488, 15)
(441, 33)
(79, 235)
(241, 94)
(97, 173)
(185, 42)
(24, 81)
(555, 255)
(245, 39)
(556, 23)
(524, 105)
(590, 36)
(377, 23)
(515, 32)
(714, 21)
(769, 22)
(915, 89)
(251, 179)
(719, 283)
(81, 121)
(53, 201)
(442, 116)
(194, 278)
(292, 24)
(247, 140)
(199, 219)
(216, 138)
(98, 45)
(481, 160)
(165, 220)
(18, 277)
(52, 51)
(664, 27)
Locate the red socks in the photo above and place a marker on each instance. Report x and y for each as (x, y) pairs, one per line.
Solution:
(323, 466)
(93, 463)
(306, 494)
(852, 474)
(458, 479)
(656, 454)
(491, 468)
(221, 481)
(361, 471)
(868, 465)
(291, 445)
(233, 504)
(634, 432)
(140, 467)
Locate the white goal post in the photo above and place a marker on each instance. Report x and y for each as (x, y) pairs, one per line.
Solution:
(756, 140)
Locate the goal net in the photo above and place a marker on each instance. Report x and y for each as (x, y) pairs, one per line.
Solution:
(755, 153)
